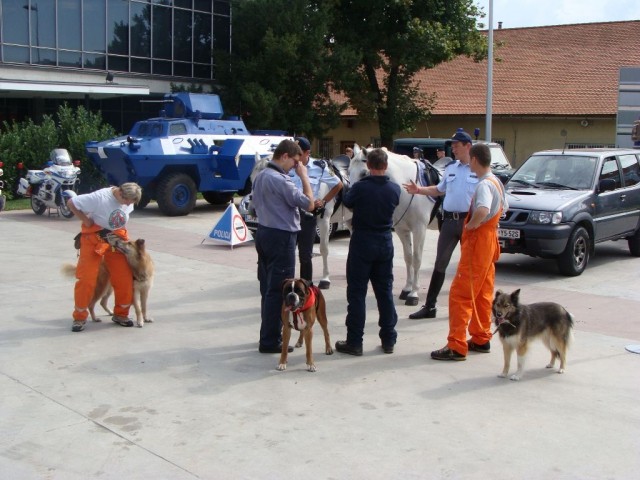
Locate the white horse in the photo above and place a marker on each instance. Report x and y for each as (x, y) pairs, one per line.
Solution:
(331, 216)
(410, 218)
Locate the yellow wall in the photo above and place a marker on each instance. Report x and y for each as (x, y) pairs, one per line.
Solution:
(521, 136)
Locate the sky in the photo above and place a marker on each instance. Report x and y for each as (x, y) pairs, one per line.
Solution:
(536, 13)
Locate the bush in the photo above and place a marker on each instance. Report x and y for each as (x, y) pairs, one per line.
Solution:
(30, 144)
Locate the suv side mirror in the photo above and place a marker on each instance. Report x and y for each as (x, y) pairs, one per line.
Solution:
(606, 184)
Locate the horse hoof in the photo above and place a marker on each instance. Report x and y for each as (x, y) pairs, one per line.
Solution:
(413, 301)
(404, 294)
(324, 284)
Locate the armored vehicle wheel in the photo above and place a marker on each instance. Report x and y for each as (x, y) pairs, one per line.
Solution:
(176, 194)
(37, 206)
(575, 257)
(217, 198)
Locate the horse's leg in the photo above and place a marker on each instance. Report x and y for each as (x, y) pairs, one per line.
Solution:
(405, 237)
(419, 235)
(324, 225)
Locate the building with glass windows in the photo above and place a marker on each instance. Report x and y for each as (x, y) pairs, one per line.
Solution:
(106, 54)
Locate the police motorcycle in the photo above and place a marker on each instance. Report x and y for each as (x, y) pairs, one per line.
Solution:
(52, 186)
(3, 199)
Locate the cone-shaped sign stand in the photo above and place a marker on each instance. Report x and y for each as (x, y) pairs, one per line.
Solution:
(230, 229)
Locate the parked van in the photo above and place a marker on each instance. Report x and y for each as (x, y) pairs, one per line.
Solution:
(500, 165)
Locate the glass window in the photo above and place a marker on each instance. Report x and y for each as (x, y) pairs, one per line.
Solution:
(177, 129)
(222, 8)
(94, 60)
(43, 56)
(69, 59)
(221, 33)
(69, 22)
(204, 5)
(15, 23)
(630, 169)
(42, 21)
(118, 27)
(119, 64)
(16, 54)
(140, 30)
(182, 69)
(201, 71)
(161, 67)
(161, 32)
(610, 170)
(182, 35)
(202, 37)
(140, 65)
(182, 3)
(94, 26)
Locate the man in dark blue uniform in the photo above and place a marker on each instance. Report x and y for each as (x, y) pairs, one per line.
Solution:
(373, 200)
(278, 203)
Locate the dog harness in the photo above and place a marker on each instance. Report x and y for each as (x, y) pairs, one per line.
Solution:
(311, 300)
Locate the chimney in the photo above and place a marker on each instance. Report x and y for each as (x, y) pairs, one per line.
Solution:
(499, 25)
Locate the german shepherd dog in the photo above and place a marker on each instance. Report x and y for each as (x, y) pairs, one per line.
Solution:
(142, 268)
(305, 303)
(518, 324)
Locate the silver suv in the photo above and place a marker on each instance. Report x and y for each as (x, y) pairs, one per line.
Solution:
(563, 202)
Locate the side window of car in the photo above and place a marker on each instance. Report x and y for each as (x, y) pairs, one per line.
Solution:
(610, 170)
(630, 169)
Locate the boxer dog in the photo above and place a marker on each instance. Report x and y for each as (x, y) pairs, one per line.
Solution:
(305, 303)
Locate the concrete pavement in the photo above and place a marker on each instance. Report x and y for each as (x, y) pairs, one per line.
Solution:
(189, 396)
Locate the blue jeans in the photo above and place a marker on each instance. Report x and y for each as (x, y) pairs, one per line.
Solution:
(370, 259)
(276, 262)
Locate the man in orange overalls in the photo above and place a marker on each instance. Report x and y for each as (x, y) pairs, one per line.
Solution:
(471, 292)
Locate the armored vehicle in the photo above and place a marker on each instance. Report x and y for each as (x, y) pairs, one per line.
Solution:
(188, 149)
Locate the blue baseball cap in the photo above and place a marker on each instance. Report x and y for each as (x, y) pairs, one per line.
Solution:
(461, 136)
(305, 145)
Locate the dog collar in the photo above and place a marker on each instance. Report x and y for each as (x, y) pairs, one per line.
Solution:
(311, 300)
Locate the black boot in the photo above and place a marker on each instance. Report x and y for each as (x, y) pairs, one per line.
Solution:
(429, 308)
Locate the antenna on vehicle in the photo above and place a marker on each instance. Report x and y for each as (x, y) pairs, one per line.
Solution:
(563, 133)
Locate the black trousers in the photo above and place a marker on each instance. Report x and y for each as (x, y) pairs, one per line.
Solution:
(306, 239)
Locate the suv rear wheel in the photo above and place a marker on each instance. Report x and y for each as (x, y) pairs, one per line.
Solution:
(575, 257)
(634, 244)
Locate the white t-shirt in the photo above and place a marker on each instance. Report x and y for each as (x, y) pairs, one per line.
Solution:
(102, 207)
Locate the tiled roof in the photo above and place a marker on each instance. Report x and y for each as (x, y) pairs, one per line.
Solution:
(553, 70)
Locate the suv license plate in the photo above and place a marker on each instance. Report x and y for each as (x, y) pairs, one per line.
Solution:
(508, 233)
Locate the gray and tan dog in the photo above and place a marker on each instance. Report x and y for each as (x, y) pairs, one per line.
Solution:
(305, 303)
(518, 324)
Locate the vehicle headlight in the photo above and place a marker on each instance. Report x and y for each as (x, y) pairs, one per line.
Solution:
(545, 218)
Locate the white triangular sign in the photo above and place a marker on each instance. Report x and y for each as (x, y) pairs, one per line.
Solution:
(231, 228)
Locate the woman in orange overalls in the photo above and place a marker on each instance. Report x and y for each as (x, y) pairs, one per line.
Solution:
(471, 292)
(105, 211)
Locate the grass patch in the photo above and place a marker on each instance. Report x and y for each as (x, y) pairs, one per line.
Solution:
(18, 204)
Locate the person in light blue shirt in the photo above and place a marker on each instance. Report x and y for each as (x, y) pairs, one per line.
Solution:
(319, 172)
(457, 185)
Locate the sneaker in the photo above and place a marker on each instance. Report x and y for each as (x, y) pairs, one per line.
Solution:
(77, 326)
(484, 348)
(276, 349)
(424, 312)
(387, 348)
(447, 354)
(343, 347)
(123, 321)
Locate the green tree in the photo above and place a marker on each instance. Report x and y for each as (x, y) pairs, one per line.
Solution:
(389, 44)
(278, 75)
(288, 56)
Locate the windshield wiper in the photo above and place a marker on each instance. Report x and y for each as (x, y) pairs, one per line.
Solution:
(523, 182)
(556, 185)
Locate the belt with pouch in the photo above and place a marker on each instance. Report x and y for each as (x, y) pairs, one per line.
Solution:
(453, 215)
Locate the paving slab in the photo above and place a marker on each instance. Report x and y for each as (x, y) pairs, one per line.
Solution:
(189, 396)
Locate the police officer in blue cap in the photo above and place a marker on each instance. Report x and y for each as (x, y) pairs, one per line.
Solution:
(319, 172)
